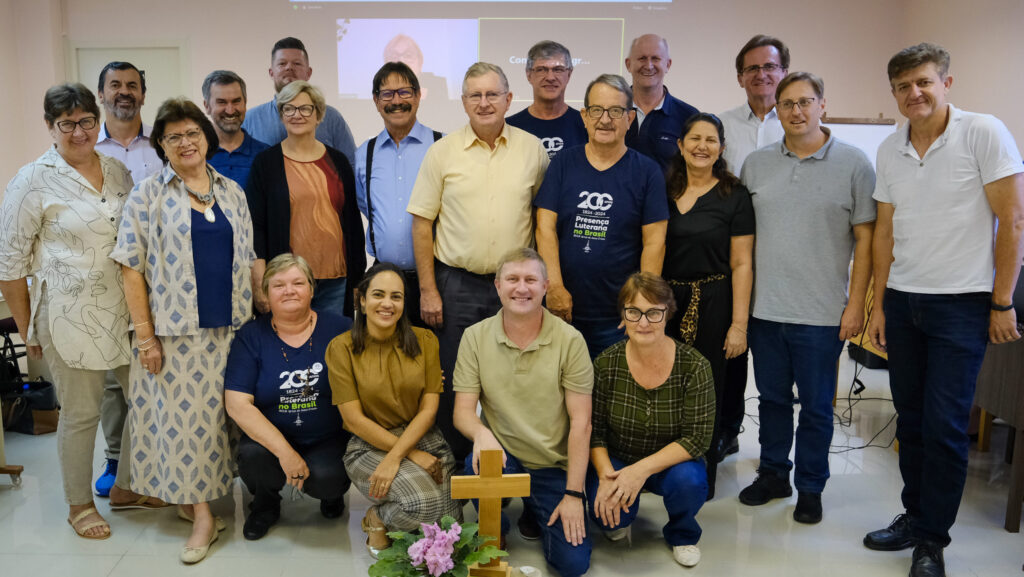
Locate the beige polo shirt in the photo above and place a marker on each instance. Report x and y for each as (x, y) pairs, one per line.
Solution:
(522, 391)
(481, 198)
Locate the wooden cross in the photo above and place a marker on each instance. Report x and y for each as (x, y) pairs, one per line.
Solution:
(490, 486)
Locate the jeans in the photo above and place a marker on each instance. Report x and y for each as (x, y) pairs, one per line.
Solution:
(599, 333)
(329, 295)
(936, 344)
(547, 488)
(807, 354)
(683, 486)
(262, 474)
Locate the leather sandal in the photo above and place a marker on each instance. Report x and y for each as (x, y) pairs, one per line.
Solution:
(373, 529)
(80, 530)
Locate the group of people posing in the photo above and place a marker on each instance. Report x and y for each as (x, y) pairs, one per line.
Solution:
(609, 361)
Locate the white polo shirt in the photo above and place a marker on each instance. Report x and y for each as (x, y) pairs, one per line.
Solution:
(943, 226)
(745, 133)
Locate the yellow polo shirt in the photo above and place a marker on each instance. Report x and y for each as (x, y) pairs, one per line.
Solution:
(480, 198)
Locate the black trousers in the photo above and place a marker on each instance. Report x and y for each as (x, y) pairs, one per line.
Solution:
(466, 299)
(262, 474)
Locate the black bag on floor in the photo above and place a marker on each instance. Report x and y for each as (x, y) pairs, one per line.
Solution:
(30, 407)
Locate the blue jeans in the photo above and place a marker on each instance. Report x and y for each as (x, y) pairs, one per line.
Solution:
(329, 295)
(684, 488)
(599, 333)
(547, 488)
(936, 344)
(807, 354)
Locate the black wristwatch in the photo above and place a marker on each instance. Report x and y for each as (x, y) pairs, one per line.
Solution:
(577, 494)
(1002, 308)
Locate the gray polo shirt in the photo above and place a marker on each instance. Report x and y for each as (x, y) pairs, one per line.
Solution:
(805, 211)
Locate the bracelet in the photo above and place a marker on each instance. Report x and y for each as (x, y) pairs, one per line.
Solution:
(142, 324)
(1002, 308)
(143, 350)
(145, 341)
(577, 494)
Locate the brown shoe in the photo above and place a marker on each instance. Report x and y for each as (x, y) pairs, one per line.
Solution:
(376, 533)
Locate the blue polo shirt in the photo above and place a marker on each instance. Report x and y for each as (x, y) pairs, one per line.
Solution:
(236, 164)
(662, 127)
(394, 172)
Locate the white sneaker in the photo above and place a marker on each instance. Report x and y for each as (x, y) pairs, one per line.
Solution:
(686, 555)
(619, 534)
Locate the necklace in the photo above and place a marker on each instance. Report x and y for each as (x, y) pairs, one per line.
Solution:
(206, 199)
(307, 389)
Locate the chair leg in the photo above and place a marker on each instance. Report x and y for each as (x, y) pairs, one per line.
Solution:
(1011, 438)
(984, 431)
(1016, 496)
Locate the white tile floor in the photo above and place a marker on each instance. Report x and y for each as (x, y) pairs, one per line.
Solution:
(862, 495)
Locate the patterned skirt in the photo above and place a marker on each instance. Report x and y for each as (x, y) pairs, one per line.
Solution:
(180, 451)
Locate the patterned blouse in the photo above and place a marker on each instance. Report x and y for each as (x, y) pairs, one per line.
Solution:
(56, 226)
(155, 239)
(633, 422)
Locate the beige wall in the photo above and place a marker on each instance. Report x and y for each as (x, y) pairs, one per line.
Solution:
(847, 43)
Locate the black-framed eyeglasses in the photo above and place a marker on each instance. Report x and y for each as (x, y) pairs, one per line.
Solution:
(173, 140)
(403, 93)
(654, 315)
(614, 112)
(768, 68)
(544, 70)
(803, 104)
(68, 126)
(305, 111)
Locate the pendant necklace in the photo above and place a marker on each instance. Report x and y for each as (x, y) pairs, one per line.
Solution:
(206, 199)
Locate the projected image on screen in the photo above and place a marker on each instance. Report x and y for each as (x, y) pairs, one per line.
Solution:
(438, 51)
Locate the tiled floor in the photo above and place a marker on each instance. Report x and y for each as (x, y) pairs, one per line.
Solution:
(863, 494)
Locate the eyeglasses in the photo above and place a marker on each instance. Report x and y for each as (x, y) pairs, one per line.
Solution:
(492, 97)
(173, 140)
(68, 126)
(403, 93)
(614, 112)
(305, 111)
(633, 314)
(803, 104)
(768, 68)
(543, 70)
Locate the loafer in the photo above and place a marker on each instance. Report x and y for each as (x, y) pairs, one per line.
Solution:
(332, 509)
(529, 528)
(258, 523)
(192, 555)
(895, 537)
(766, 486)
(808, 508)
(106, 480)
(686, 555)
(928, 561)
(727, 446)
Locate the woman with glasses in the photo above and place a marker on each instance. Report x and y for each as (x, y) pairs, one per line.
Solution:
(709, 261)
(654, 408)
(59, 217)
(185, 246)
(302, 194)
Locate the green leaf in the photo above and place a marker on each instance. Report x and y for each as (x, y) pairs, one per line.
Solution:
(484, 555)
(460, 570)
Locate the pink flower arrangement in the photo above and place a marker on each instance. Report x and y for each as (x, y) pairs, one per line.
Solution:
(435, 548)
(445, 549)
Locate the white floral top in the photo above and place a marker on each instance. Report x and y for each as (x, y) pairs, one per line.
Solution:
(56, 226)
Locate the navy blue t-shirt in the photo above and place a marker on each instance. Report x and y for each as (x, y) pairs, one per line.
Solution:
(557, 134)
(294, 394)
(212, 255)
(600, 220)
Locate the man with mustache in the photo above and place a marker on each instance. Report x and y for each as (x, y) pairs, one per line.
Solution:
(224, 99)
(386, 168)
(659, 115)
(761, 64)
(289, 61)
(122, 92)
(549, 118)
(602, 214)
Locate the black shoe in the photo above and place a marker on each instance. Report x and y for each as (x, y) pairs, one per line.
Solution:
(928, 560)
(808, 508)
(259, 522)
(727, 445)
(895, 537)
(766, 486)
(528, 526)
(332, 509)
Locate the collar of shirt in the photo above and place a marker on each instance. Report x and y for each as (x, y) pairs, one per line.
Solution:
(167, 175)
(543, 338)
(419, 133)
(955, 116)
(144, 132)
(53, 159)
(753, 117)
(470, 138)
(819, 154)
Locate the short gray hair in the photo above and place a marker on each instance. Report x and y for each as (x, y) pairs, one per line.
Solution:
(481, 69)
(547, 49)
(222, 78)
(284, 262)
(521, 255)
(615, 81)
(293, 89)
